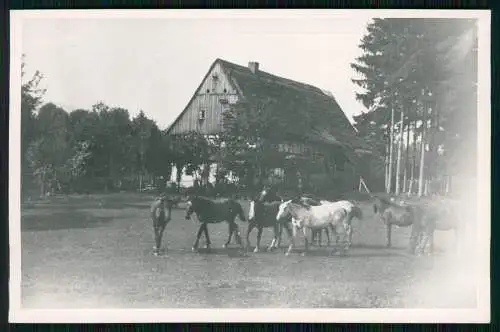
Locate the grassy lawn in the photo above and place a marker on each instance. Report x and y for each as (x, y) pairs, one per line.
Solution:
(95, 252)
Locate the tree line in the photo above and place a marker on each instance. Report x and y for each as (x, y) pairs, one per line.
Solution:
(99, 149)
(419, 81)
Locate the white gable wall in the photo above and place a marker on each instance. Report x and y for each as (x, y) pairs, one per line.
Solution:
(215, 87)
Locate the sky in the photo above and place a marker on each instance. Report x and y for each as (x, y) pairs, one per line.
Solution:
(156, 64)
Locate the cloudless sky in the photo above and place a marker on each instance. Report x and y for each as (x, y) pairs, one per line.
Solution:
(156, 64)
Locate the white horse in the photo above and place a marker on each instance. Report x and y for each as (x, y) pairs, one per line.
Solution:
(353, 211)
(332, 214)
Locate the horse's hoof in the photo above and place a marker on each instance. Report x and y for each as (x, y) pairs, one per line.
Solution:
(303, 254)
(256, 249)
(207, 247)
(224, 246)
(194, 249)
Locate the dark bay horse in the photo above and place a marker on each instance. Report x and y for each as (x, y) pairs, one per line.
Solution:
(210, 212)
(262, 214)
(160, 220)
(393, 214)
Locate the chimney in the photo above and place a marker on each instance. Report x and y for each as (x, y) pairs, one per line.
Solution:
(253, 66)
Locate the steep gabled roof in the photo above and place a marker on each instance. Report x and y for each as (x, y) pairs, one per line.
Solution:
(333, 126)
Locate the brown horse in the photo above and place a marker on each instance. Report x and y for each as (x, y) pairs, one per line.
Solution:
(438, 215)
(160, 220)
(393, 214)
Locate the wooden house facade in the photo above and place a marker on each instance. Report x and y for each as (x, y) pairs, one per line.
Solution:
(325, 158)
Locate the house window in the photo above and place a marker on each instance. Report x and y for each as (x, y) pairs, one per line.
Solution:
(202, 114)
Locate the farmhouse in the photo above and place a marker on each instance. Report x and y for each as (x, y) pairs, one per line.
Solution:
(329, 153)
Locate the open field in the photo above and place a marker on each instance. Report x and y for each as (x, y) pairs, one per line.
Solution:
(95, 252)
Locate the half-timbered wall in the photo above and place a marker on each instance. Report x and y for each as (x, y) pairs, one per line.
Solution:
(204, 112)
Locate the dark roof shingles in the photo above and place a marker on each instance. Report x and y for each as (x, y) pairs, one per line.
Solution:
(332, 126)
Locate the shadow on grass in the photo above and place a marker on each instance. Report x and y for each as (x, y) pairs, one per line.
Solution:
(61, 220)
(376, 246)
(229, 252)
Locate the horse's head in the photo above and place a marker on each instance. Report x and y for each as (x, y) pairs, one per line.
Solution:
(284, 210)
(189, 208)
(379, 205)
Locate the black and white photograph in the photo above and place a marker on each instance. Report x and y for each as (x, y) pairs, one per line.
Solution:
(211, 165)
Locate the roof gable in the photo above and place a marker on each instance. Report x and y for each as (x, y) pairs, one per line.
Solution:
(332, 125)
(203, 85)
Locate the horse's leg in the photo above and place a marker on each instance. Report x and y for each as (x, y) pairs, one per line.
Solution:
(350, 235)
(236, 230)
(424, 237)
(306, 241)
(251, 226)
(230, 235)
(414, 238)
(205, 230)
(388, 230)
(198, 235)
(327, 237)
(259, 236)
(280, 232)
(275, 237)
(291, 237)
(158, 236)
(344, 233)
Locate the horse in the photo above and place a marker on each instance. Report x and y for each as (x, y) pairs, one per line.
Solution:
(210, 212)
(308, 201)
(397, 215)
(262, 214)
(435, 216)
(353, 211)
(314, 217)
(160, 221)
(269, 196)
